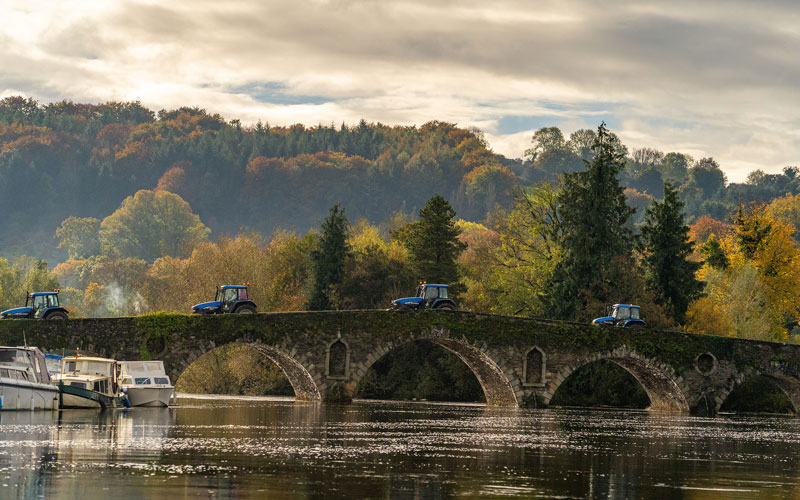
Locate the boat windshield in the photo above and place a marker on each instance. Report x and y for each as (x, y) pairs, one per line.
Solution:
(11, 355)
(87, 367)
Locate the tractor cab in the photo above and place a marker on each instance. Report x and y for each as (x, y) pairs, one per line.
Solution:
(429, 296)
(624, 315)
(228, 299)
(38, 305)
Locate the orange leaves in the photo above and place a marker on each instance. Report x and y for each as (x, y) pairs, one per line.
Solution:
(705, 226)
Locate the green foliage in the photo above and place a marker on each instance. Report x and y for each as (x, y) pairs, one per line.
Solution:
(520, 269)
(433, 243)
(79, 236)
(375, 271)
(602, 383)
(328, 260)
(149, 225)
(594, 234)
(714, 254)
(24, 275)
(665, 249)
(758, 395)
(420, 370)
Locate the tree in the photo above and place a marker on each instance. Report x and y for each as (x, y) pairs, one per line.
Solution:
(545, 140)
(595, 233)
(787, 209)
(328, 260)
(580, 143)
(523, 265)
(675, 168)
(79, 236)
(433, 243)
(708, 177)
(665, 248)
(375, 272)
(149, 225)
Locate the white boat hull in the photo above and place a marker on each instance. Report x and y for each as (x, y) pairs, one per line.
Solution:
(20, 395)
(149, 396)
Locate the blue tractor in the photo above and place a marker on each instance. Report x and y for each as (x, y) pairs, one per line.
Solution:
(38, 305)
(428, 297)
(228, 299)
(624, 315)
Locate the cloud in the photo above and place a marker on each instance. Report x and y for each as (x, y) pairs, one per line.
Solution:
(717, 79)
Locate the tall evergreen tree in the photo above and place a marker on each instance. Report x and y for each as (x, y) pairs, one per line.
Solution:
(595, 238)
(328, 259)
(665, 248)
(433, 243)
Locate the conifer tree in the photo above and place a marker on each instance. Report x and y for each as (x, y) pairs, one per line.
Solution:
(328, 259)
(665, 249)
(595, 238)
(433, 243)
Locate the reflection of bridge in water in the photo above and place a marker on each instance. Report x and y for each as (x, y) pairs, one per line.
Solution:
(517, 361)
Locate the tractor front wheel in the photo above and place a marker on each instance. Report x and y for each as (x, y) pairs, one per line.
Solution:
(57, 315)
(446, 307)
(246, 310)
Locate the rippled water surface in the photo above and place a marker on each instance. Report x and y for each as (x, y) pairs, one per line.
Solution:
(275, 448)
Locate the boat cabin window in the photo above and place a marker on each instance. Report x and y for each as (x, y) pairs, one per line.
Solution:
(102, 386)
(126, 380)
(69, 366)
(3, 372)
(80, 385)
(162, 380)
(8, 355)
(142, 381)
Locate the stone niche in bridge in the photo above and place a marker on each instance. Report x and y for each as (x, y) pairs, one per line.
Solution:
(517, 361)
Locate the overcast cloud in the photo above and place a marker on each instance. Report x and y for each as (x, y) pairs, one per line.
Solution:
(717, 80)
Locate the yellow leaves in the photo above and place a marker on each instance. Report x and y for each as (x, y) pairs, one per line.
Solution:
(758, 293)
(93, 297)
(707, 318)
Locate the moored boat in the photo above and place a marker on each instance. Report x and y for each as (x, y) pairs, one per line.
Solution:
(24, 381)
(89, 382)
(146, 383)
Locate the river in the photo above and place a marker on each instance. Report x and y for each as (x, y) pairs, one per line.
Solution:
(222, 447)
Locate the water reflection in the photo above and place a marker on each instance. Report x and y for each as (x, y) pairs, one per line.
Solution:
(276, 448)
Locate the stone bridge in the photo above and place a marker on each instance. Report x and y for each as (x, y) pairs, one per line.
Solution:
(518, 361)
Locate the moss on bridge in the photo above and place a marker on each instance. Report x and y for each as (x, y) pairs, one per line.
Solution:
(149, 335)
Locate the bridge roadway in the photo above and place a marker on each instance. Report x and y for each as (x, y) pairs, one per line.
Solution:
(518, 361)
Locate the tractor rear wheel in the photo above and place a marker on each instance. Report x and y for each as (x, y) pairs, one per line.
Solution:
(446, 307)
(245, 310)
(57, 315)
(637, 326)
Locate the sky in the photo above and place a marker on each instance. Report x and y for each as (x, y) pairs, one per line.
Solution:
(712, 78)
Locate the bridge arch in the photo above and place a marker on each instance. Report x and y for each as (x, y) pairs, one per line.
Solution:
(492, 377)
(302, 381)
(656, 378)
(776, 373)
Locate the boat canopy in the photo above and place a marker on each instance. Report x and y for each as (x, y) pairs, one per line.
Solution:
(28, 356)
(143, 368)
